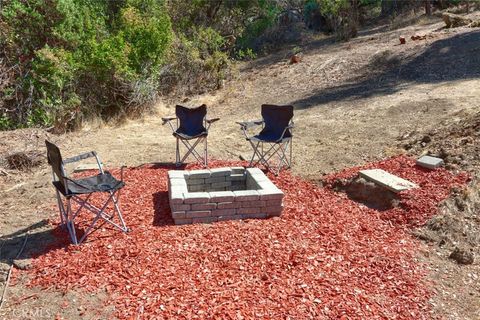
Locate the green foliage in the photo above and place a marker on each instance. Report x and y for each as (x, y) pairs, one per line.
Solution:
(78, 56)
(265, 19)
(246, 54)
(72, 59)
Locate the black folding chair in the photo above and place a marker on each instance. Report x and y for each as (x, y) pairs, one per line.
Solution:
(80, 191)
(276, 134)
(191, 123)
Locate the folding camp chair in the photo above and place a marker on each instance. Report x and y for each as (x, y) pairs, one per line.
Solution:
(276, 134)
(191, 123)
(80, 191)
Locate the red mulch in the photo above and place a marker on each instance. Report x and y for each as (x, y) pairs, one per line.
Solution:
(326, 257)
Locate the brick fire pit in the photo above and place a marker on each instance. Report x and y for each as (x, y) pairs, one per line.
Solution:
(204, 196)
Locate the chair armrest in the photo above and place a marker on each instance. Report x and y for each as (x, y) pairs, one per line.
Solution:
(81, 157)
(210, 121)
(167, 119)
(249, 124)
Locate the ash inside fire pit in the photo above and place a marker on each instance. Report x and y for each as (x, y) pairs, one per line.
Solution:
(222, 194)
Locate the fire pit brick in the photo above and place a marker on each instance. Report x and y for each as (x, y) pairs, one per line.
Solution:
(221, 194)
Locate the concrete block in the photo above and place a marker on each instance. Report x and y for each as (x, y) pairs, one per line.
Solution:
(238, 177)
(228, 218)
(178, 182)
(254, 216)
(178, 215)
(249, 210)
(199, 174)
(430, 162)
(273, 203)
(274, 214)
(272, 209)
(176, 197)
(237, 170)
(198, 214)
(204, 206)
(237, 188)
(181, 207)
(221, 196)
(246, 195)
(267, 185)
(253, 204)
(220, 172)
(196, 181)
(224, 184)
(229, 205)
(270, 194)
(387, 180)
(197, 197)
(224, 212)
(196, 188)
(255, 171)
(204, 220)
(215, 179)
(176, 174)
(182, 221)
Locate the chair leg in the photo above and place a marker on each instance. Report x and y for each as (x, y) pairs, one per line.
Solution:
(205, 153)
(70, 223)
(61, 208)
(177, 153)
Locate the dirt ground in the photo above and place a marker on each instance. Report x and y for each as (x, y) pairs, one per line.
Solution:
(354, 102)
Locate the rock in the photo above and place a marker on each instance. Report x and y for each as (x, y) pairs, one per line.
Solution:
(426, 139)
(462, 256)
(4, 267)
(295, 59)
(402, 40)
(429, 162)
(22, 264)
(453, 21)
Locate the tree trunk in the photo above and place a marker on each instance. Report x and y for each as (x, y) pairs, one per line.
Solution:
(428, 8)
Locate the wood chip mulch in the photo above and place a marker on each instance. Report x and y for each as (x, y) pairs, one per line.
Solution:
(326, 257)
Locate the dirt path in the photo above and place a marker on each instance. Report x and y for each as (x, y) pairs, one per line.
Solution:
(353, 101)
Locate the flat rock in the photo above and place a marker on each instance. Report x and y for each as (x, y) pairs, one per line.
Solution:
(86, 167)
(430, 162)
(387, 180)
(22, 264)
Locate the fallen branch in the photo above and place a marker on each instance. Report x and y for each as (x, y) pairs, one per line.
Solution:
(13, 188)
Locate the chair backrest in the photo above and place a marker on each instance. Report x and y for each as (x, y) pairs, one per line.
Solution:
(54, 158)
(276, 119)
(191, 119)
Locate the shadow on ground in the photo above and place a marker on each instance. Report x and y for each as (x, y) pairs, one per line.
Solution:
(162, 214)
(35, 240)
(452, 59)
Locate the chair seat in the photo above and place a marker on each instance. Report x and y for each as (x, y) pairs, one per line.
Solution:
(268, 138)
(99, 183)
(186, 136)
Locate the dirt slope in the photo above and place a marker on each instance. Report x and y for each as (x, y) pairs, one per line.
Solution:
(353, 102)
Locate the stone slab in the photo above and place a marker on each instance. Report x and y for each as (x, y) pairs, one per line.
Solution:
(430, 162)
(387, 180)
(86, 167)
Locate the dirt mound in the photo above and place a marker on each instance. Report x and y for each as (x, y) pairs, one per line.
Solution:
(455, 141)
(456, 228)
